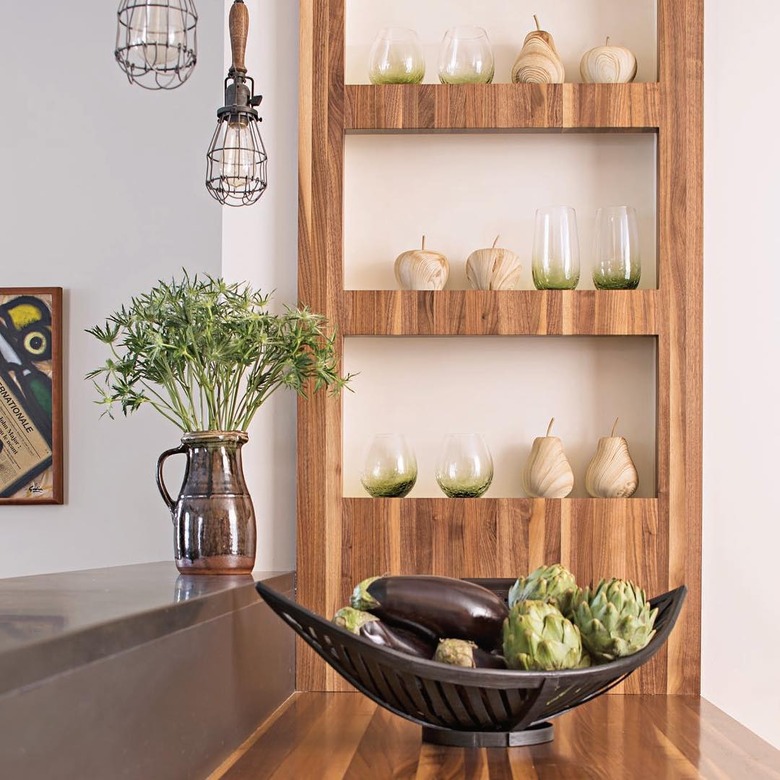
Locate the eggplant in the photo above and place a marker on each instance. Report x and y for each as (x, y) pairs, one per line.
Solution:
(462, 652)
(370, 627)
(435, 606)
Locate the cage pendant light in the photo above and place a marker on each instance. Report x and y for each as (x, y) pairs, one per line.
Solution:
(236, 162)
(157, 42)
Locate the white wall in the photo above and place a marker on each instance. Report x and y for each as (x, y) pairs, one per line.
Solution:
(103, 194)
(741, 673)
(464, 189)
(505, 389)
(260, 245)
(575, 27)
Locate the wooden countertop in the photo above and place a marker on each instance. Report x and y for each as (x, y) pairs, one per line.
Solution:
(344, 735)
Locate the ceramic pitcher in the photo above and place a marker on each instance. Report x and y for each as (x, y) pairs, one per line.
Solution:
(213, 517)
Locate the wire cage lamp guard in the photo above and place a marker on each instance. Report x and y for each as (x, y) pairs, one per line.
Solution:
(237, 162)
(157, 42)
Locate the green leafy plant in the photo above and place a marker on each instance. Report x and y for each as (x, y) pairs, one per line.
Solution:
(207, 354)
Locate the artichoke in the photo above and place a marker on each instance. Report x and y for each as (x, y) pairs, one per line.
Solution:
(554, 584)
(615, 619)
(462, 652)
(538, 637)
(353, 619)
(456, 652)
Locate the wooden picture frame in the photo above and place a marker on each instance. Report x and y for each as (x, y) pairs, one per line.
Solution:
(31, 452)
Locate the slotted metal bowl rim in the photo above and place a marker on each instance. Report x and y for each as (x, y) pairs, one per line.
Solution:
(611, 674)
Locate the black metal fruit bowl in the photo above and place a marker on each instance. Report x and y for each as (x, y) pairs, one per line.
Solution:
(467, 707)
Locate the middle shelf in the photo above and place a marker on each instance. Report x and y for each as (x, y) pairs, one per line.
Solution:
(398, 107)
(504, 313)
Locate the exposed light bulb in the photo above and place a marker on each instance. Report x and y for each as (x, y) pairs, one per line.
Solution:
(157, 34)
(239, 158)
(157, 42)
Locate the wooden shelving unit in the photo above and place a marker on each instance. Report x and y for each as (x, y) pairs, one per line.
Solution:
(655, 541)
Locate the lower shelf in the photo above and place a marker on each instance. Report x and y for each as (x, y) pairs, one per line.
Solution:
(498, 537)
(502, 537)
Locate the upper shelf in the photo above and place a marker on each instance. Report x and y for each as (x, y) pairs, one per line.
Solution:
(508, 313)
(396, 107)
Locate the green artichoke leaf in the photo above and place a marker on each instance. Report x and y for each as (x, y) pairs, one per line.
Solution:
(536, 636)
(615, 619)
(553, 584)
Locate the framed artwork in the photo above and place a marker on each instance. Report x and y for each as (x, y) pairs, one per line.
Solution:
(31, 395)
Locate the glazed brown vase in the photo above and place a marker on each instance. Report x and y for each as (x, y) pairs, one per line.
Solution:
(213, 517)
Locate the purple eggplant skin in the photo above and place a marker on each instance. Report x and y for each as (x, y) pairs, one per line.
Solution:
(384, 635)
(436, 606)
(485, 660)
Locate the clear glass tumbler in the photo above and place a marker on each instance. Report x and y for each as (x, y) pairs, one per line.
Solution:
(466, 57)
(390, 467)
(465, 466)
(555, 263)
(616, 249)
(396, 57)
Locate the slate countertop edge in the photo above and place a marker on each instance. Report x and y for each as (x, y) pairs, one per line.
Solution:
(195, 600)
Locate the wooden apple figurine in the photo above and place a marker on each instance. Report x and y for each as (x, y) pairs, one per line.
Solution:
(493, 269)
(538, 61)
(421, 269)
(611, 473)
(608, 65)
(548, 472)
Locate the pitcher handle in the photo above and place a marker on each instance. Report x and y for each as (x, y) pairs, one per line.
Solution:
(180, 450)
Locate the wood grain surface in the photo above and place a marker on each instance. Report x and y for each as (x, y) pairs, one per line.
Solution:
(501, 107)
(239, 30)
(505, 313)
(343, 735)
(656, 541)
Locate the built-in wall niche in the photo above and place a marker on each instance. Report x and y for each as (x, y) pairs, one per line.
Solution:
(575, 26)
(506, 389)
(462, 190)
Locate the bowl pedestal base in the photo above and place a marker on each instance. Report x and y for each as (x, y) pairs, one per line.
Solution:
(535, 735)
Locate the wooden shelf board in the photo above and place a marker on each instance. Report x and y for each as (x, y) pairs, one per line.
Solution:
(445, 505)
(396, 107)
(506, 313)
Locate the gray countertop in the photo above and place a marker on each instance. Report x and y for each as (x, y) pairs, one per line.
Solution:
(55, 622)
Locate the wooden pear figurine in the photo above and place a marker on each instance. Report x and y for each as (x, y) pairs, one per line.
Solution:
(611, 473)
(538, 61)
(493, 269)
(548, 473)
(422, 270)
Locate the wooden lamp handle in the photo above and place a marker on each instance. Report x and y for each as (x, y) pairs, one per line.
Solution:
(239, 30)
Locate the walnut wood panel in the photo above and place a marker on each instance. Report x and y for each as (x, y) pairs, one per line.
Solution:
(680, 219)
(344, 735)
(319, 246)
(656, 541)
(501, 107)
(509, 313)
(505, 538)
